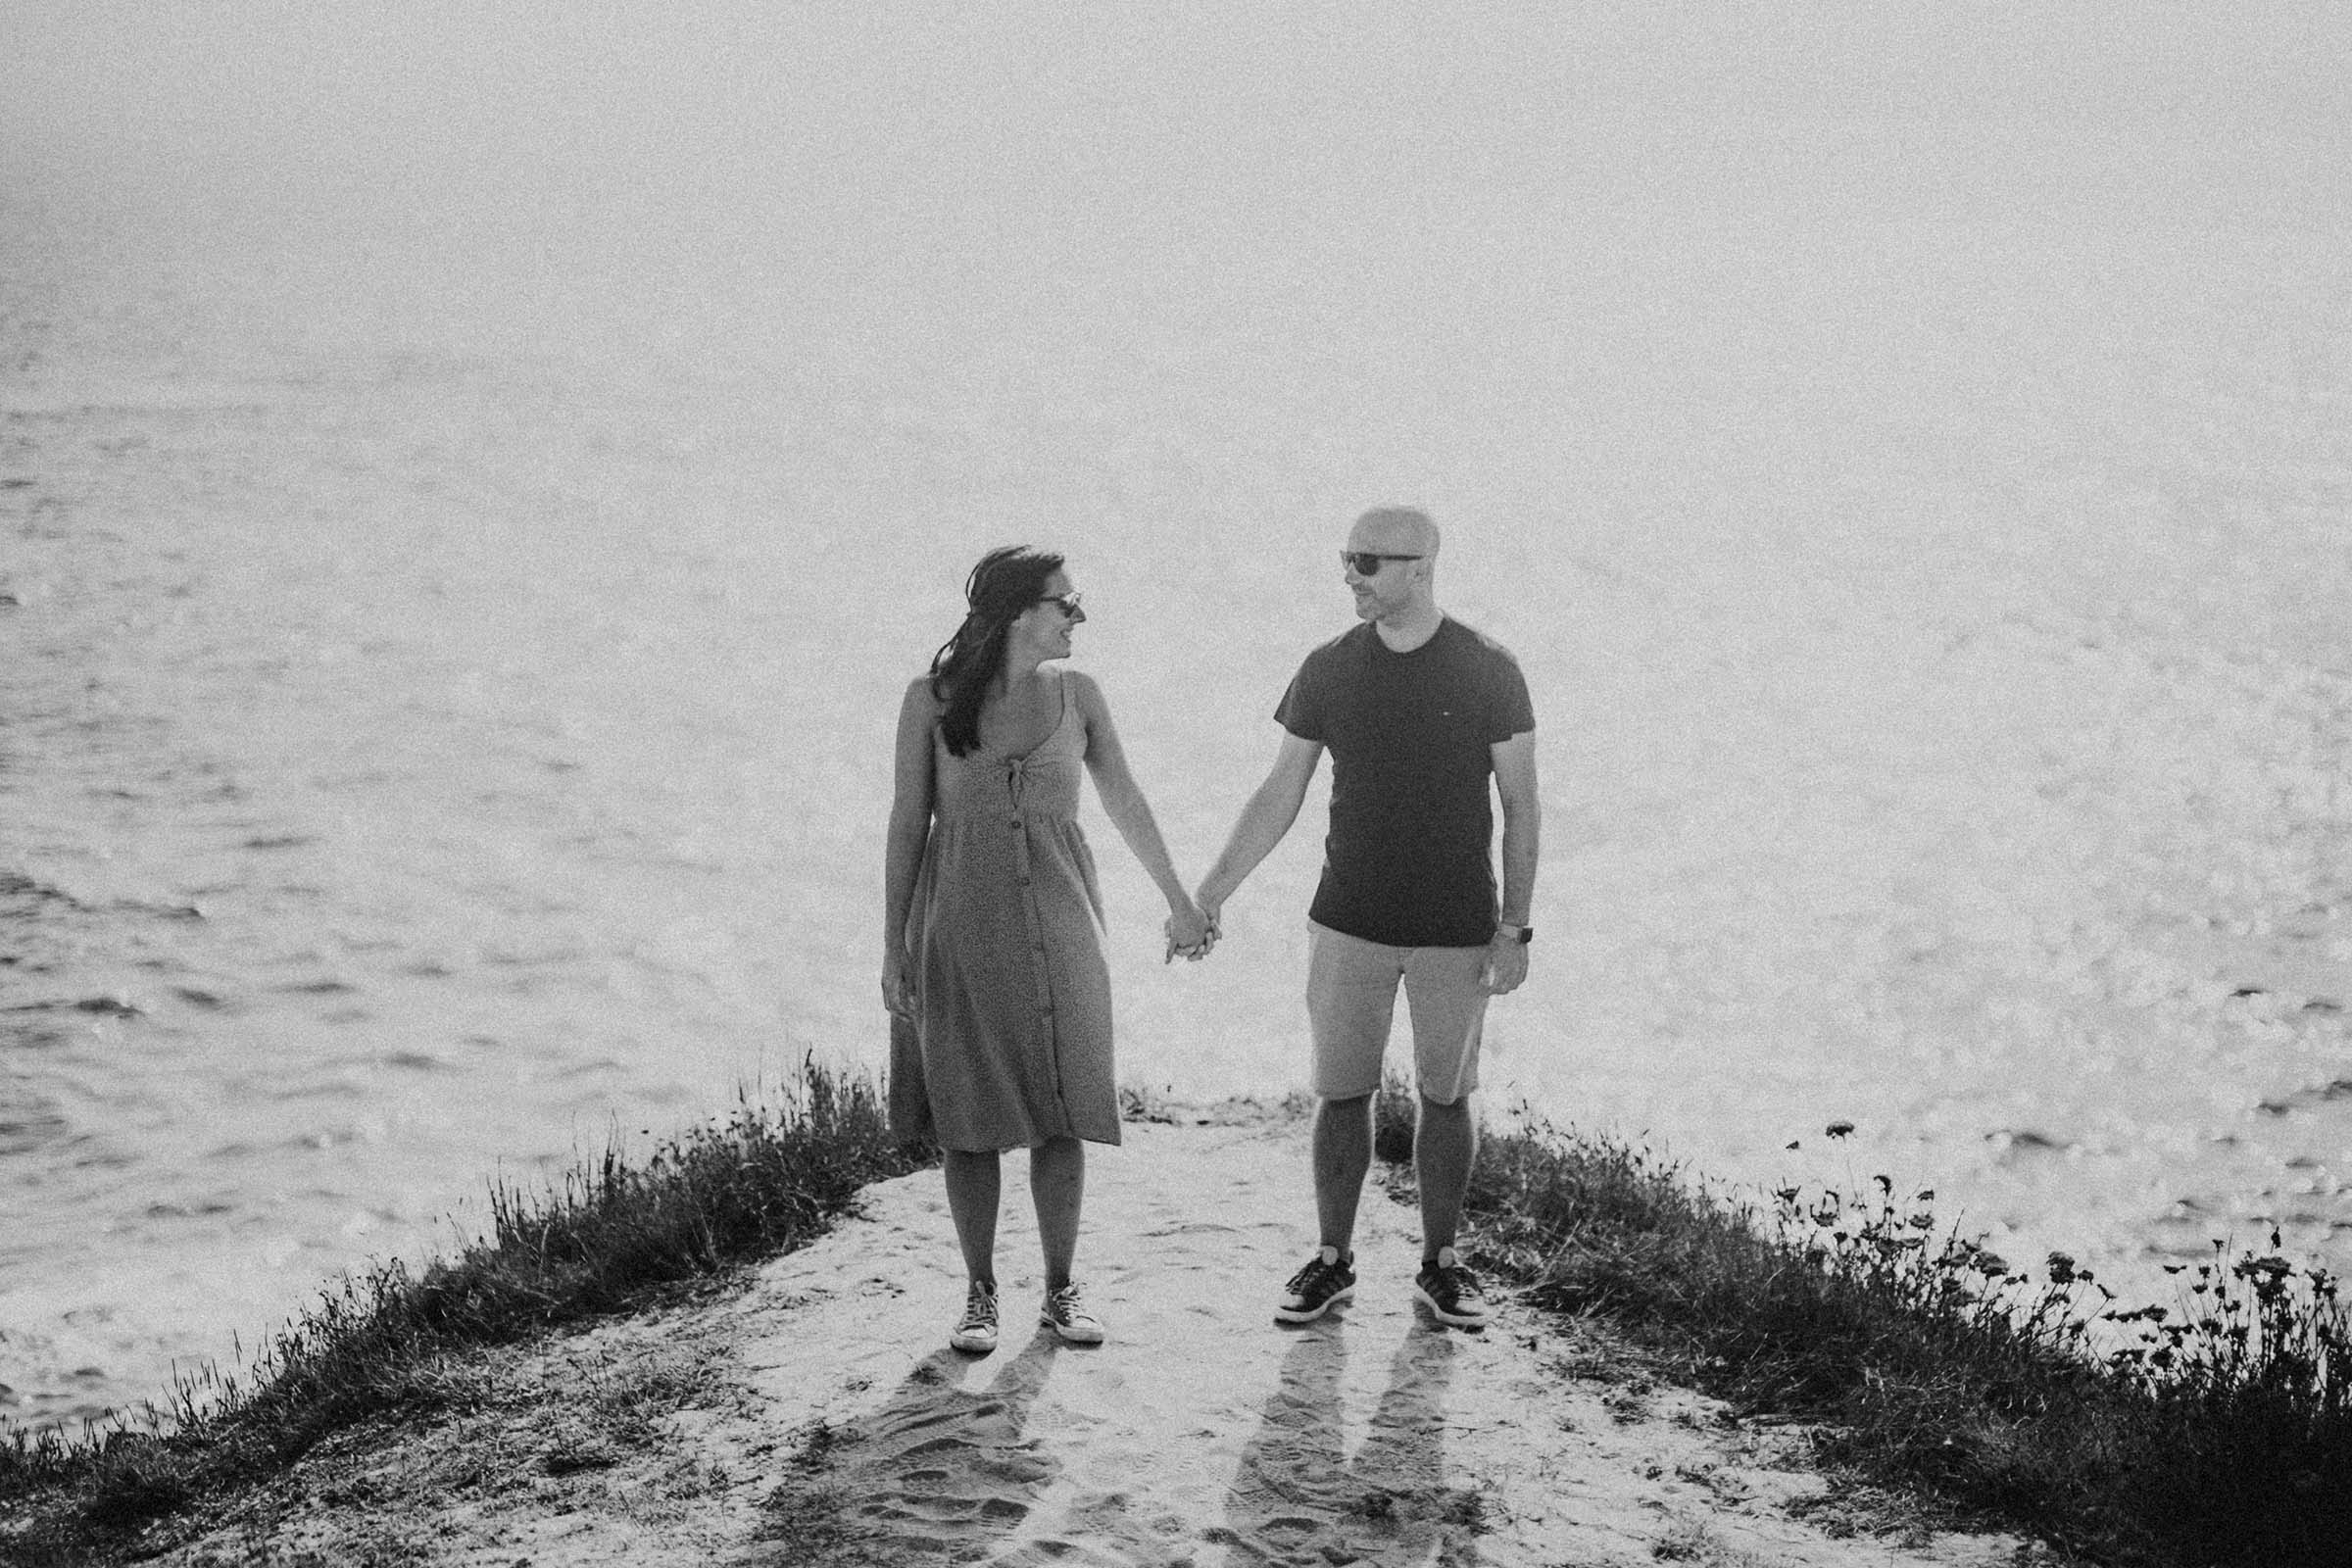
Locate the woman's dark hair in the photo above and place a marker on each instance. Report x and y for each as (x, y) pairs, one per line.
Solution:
(1005, 583)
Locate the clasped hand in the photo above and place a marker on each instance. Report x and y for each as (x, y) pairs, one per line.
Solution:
(1190, 933)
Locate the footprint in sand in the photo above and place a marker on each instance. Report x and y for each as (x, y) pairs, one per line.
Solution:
(940, 1473)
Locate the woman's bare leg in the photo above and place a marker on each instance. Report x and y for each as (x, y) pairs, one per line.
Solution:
(974, 1183)
(1058, 1184)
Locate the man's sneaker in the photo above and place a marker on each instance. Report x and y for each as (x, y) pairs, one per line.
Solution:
(976, 1334)
(1316, 1289)
(1450, 1291)
(1064, 1312)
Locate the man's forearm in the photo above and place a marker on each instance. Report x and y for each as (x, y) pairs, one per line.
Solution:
(1264, 823)
(1522, 832)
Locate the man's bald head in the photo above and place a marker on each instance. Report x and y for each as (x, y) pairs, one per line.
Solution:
(1395, 531)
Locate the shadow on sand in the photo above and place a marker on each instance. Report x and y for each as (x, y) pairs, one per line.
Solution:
(942, 1472)
(1300, 1498)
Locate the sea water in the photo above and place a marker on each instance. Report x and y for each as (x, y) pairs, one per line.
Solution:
(451, 635)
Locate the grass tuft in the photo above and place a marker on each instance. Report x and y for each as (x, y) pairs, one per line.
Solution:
(607, 1239)
(1393, 1112)
(1929, 1365)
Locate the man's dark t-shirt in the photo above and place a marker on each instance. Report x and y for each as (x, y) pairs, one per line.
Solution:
(1406, 862)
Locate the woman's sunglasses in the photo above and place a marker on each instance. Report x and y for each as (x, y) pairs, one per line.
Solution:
(1067, 602)
(1367, 564)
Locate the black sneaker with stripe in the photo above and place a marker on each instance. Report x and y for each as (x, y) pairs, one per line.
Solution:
(1326, 1280)
(1451, 1291)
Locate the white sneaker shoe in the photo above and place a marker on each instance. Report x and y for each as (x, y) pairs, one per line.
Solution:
(1064, 1312)
(976, 1334)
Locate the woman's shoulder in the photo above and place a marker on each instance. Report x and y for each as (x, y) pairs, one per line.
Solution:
(1086, 692)
(923, 696)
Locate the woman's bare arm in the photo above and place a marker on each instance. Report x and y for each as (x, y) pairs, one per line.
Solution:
(1124, 804)
(908, 833)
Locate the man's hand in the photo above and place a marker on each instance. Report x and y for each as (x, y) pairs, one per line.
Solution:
(1190, 933)
(1212, 911)
(1506, 965)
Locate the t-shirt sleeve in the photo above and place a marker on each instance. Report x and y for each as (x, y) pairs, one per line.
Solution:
(1509, 709)
(1300, 710)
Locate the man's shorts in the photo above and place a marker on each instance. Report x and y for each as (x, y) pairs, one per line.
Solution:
(1351, 1000)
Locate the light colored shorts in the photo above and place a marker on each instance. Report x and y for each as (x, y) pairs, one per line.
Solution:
(1351, 1000)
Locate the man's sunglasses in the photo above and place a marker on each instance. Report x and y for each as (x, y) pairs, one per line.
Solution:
(1367, 562)
(1067, 602)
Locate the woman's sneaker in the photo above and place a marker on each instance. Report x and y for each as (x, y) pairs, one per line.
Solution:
(1064, 1312)
(1450, 1291)
(976, 1334)
(1316, 1289)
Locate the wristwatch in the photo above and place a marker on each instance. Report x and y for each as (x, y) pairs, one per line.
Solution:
(1522, 934)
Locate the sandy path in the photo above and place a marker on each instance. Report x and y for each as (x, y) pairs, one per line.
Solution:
(817, 1417)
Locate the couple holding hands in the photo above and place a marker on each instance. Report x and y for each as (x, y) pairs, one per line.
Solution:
(993, 961)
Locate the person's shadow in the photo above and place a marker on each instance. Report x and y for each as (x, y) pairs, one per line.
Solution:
(1298, 1497)
(939, 1473)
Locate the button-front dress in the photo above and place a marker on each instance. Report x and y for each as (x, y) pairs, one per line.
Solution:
(1011, 990)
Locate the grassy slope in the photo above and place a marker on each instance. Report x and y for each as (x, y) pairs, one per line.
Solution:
(1929, 1367)
(2217, 1435)
(611, 1240)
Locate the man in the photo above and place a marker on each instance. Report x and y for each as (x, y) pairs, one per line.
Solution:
(1418, 711)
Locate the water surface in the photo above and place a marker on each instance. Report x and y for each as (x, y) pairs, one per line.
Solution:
(466, 515)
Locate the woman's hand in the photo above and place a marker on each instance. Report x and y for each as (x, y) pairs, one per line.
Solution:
(1190, 932)
(898, 987)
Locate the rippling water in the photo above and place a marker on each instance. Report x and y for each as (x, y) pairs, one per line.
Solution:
(446, 679)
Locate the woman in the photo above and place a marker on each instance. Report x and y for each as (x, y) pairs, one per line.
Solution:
(991, 913)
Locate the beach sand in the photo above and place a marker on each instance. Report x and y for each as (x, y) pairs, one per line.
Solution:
(812, 1414)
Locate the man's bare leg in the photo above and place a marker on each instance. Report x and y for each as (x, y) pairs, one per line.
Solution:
(1343, 1155)
(1445, 1148)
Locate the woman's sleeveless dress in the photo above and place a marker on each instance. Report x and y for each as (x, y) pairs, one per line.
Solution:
(1011, 990)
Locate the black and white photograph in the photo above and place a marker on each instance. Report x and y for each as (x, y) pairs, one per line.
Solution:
(1269, 782)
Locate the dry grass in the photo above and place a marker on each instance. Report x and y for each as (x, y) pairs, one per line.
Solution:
(1935, 1369)
(612, 1238)
(1936, 1374)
